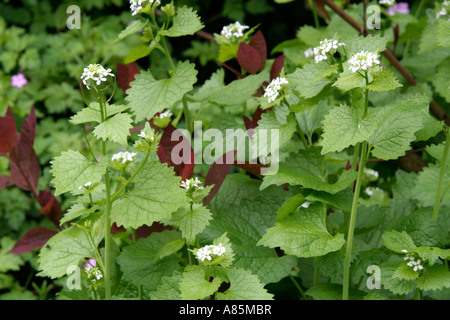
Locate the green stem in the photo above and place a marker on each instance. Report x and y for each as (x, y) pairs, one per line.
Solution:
(187, 116)
(316, 17)
(351, 227)
(299, 288)
(419, 8)
(107, 269)
(117, 193)
(437, 201)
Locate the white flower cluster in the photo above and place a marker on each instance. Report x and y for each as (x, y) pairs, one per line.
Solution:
(412, 262)
(123, 156)
(137, 5)
(233, 30)
(326, 46)
(370, 190)
(309, 53)
(206, 252)
(95, 72)
(92, 271)
(388, 3)
(165, 114)
(87, 185)
(363, 60)
(191, 184)
(144, 136)
(371, 172)
(273, 88)
(445, 10)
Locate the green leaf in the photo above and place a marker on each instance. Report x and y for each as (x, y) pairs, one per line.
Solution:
(71, 170)
(331, 291)
(185, 22)
(240, 90)
(441, 80)
(374, 44)
(243, 286)
(191, 222)
(245, 213)
(398, 242)
(343, 128)
(156, 194)
(67, 248)
(116, 129)
(348, 81)
(383, 80)
(425, 189)
(394, 284)
(9, 261)
(272, 134)
(169, 288)
(211, 86)
(310, 121)
(147, 96)
(435, 277)
(92, 113)
(142, 262)
(432, 254)
(444, 33)
(405, 272)
(132, 28)
(396, 126)
(305, 81)
(139, 52)
(195, 285)
(303, 233)
(306, 168)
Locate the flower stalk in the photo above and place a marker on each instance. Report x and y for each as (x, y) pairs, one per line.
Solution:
(439, 196)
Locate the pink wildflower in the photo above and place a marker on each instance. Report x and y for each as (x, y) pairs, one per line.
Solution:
(401, 7)
(18, 80)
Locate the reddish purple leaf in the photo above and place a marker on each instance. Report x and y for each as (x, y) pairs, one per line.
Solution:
(217, 173)
(259, 43)
(25, 171)
(166, 146)
(253, 168)
(125, 74)
(50, 207)
(188, 169)
(277, 67)
(248, 58)
(6, 181)
(34, 239)
(8, 132)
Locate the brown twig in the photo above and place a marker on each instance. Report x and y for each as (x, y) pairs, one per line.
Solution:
(435, 109)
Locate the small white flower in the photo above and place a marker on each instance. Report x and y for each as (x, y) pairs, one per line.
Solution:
(272, 90)
(86, 185)
(191, 184)
(442, 12)
(233, 30)
(138, 5)
(142, 134)
(388, 3)
(363, 61)
(123, 156)
(305, 204)
(309, 52)
(208, 250)
(371, 172)
(326, 46)
(95, 72)
(165, 114)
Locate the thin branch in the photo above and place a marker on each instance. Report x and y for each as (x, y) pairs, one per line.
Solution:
(434, 106)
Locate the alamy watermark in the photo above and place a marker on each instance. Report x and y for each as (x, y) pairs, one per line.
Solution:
(74, 20)
(213, 146)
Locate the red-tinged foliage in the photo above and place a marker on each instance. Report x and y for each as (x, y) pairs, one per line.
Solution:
(50, 207)
(166, 146)
(125, 74)
(248, 58)
(259, 43)
(277, 67)
(7, 133)
(24, 173)
(217, 173)
(33, 239)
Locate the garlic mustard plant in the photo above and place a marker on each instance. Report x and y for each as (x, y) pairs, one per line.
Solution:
(95, 73)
